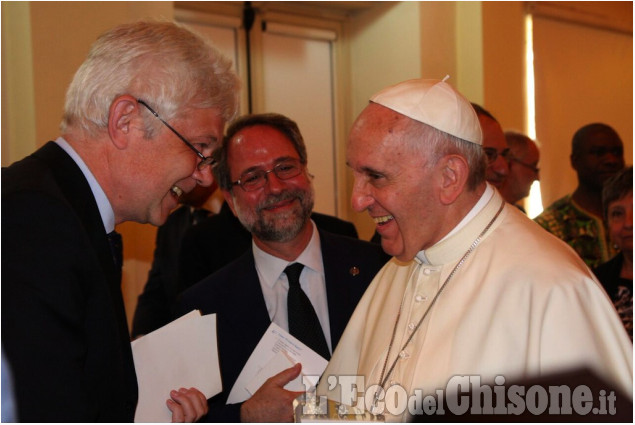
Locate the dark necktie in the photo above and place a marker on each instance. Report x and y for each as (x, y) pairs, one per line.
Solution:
(303, 321)
(116, 248)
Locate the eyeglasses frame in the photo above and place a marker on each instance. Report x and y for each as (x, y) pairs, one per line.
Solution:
(505, 153)
(205, 160)
(240, 183)
(531, 167)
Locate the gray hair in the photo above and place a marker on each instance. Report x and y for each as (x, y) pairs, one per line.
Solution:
(616, 187)
(435, 144)
(280, 122)
(162, 63)
(518, 143)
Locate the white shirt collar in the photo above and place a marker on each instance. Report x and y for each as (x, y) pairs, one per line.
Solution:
(271, 267)
(105, 209)
(482, 202)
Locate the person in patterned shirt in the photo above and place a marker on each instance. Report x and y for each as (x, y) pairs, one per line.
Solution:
(616, 275)
(597, 154)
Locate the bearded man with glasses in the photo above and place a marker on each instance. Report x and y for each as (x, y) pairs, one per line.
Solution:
(262, 171)
(64, 326)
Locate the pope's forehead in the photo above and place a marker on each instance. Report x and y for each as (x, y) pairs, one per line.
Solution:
(381, 133)
(376, 117)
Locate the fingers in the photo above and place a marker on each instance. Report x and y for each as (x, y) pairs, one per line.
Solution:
(187, 405)
(272, 403)
(287, 375)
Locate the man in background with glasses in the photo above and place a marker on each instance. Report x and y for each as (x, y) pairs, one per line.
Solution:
(495, 147)
(142, 115)
(523, 168)
(262, 172)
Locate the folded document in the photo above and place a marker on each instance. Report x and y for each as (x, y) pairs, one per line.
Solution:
(181, 354)
(277, 350)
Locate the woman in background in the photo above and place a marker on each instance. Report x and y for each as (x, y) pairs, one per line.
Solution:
(616, 275)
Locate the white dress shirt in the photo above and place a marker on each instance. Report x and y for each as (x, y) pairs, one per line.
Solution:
(275, 285)
(105, 209)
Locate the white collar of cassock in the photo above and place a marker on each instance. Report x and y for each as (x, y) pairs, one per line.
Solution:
(421, 257)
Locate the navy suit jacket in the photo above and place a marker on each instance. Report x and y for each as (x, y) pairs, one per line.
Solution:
(64, 329)
(234, 294)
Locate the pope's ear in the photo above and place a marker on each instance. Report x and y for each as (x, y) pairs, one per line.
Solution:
(123, 110)
(454, 174)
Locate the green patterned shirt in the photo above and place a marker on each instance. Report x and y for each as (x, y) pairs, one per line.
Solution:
(582, 230)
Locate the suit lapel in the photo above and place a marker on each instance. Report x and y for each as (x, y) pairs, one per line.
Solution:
(77, 192)
(338, 280)
(253, 299)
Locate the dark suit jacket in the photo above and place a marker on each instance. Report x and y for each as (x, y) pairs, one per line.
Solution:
(64, 327)
(155, 306)
(220, 239)
(234, 294)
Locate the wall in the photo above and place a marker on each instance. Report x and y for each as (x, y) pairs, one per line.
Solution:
(18, 115)
(384, 46)
(503, 62)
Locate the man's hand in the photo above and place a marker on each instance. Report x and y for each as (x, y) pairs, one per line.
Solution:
(187, 405)
(272, 403)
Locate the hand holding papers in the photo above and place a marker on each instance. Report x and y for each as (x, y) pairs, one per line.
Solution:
(276, 351)
(180, 354)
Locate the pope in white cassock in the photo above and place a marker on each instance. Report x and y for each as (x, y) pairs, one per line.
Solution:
(475, 287)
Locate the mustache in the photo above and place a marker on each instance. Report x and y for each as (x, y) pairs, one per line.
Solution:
(281, 197)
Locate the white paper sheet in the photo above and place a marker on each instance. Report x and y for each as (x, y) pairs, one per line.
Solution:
(276, 351)
(180, 354)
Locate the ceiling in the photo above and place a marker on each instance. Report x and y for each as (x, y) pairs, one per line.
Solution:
(314, 8)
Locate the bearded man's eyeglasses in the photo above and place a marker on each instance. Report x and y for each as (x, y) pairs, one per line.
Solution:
(284, 170)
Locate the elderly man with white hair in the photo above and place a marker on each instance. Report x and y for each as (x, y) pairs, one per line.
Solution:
(475, 287)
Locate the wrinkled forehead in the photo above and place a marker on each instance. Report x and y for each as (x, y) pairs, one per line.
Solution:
(381, 138)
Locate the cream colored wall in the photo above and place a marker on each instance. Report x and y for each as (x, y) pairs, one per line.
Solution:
(469, 50)
(18, 116)
(384, 49)
(503, 62)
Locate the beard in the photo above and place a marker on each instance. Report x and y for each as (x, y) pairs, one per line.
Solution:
(278, 227)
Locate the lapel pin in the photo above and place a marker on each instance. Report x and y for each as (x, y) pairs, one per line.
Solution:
(354, 271)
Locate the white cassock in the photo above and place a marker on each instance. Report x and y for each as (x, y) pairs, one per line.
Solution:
(523, 304)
